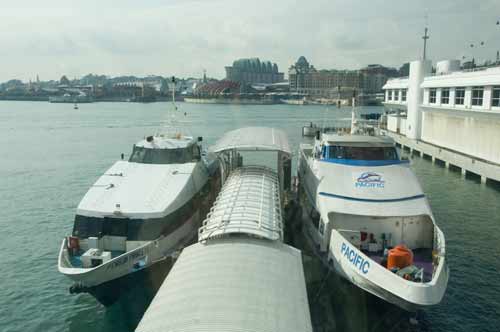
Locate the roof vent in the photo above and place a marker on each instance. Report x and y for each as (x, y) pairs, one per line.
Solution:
(149, 139)
(118, 210)
(447, 66)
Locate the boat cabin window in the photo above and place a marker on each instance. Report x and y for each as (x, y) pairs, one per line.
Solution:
(165, 156)
(361, 152)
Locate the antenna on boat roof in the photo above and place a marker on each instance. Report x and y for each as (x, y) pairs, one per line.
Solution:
(176, 126)
(172, 86)
(324, 119)
(353, 114)
(171, 122)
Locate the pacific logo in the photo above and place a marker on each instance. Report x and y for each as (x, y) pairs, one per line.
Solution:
(357, 260)
(370, 180)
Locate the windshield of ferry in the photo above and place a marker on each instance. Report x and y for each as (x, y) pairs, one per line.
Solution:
(165, 156)
(362, 153)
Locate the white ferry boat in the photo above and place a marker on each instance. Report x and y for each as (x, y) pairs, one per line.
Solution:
(137, 214)
(367, 217)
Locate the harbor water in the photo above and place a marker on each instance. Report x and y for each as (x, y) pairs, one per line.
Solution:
(52, 154)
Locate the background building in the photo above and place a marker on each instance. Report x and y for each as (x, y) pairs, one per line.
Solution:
(375, 76)
(253, 71)
(307, 80)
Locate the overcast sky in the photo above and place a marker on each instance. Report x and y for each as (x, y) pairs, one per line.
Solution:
(183, 37)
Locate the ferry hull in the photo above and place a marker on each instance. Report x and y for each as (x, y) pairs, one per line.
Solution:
(412, 296)
(107, 281)
(377, 280)
(148, 280)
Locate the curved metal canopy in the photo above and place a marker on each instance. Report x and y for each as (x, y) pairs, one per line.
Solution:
(253, 139)
(249, 203)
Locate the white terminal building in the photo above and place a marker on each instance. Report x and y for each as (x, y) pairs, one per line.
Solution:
(451, 115)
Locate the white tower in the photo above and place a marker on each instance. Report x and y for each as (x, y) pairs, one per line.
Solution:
(418, 70)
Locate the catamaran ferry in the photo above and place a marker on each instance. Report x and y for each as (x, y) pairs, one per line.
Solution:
(367, 217)
(137, 214)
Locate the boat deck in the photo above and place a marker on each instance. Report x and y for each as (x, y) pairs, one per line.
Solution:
(422, 258)
(76, 260)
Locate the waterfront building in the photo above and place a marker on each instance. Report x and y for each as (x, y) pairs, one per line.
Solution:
(134, 88)
(253, 71)
(218, 88)
(307, 80)
(375, 76)
(455, 111)
(342, 84)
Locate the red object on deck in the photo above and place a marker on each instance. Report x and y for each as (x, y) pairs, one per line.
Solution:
(400, 256)
(73, 242)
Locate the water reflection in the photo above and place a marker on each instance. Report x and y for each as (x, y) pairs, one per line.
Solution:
(135, 294)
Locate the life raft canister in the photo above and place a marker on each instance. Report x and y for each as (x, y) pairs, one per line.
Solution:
(399, 257)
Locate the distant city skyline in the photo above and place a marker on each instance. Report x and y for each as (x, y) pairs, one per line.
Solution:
(185, 37)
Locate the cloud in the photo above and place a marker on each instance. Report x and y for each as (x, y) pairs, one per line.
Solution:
(184, 37)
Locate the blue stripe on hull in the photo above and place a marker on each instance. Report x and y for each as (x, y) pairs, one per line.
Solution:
(353, 162)
(389, 200)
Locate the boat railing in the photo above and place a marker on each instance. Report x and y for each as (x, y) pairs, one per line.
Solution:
(252, 211)
(243, 225)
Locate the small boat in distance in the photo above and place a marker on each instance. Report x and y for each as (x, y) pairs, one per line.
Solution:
(367, 218)
(71, 98)
(75, 107)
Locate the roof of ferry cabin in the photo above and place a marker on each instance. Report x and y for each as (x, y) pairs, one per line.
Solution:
(357, 139)
(162, 142)
(232, 284)
(253, 139)
(143, 190)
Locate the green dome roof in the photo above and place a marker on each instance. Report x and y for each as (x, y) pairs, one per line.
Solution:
(255, 65)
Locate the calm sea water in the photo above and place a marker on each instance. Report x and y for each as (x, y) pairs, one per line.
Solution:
(51, 155)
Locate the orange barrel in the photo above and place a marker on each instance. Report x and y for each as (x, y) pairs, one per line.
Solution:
(400, 256)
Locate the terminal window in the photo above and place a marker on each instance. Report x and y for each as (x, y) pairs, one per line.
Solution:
(403, 95)
(432, 96)
(459, 96)
(495, 100)
(445, 96)
(396, 95)
(389, 95)
(477, 96)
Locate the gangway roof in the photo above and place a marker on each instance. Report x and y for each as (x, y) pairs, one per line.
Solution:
(253, 139)
(249, 203)
(232, 284)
